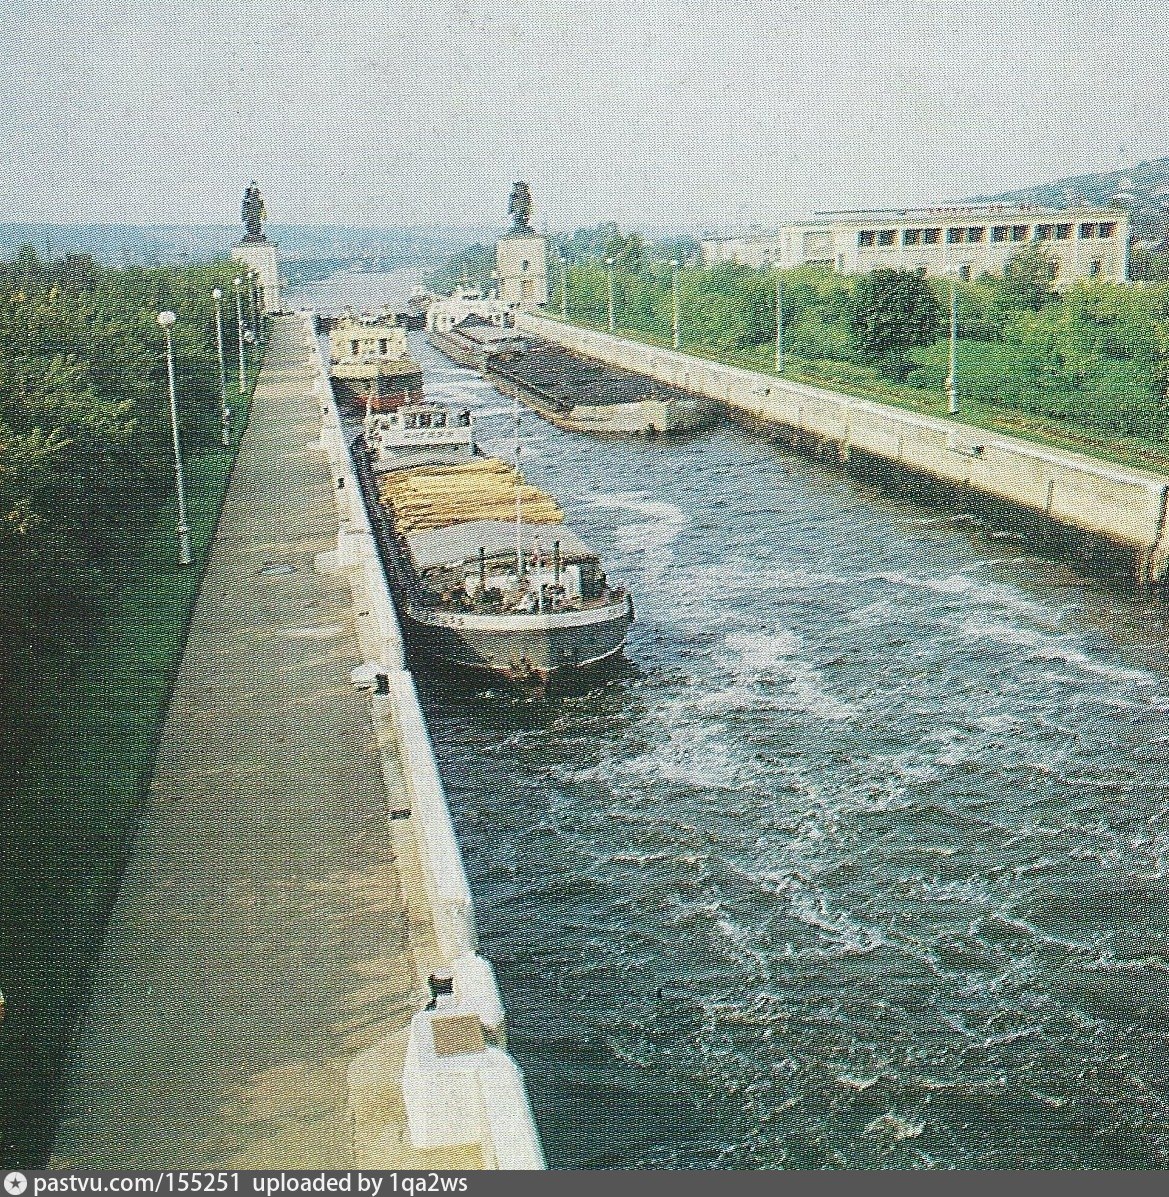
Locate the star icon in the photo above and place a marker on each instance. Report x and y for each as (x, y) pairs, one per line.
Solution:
(15, 1183)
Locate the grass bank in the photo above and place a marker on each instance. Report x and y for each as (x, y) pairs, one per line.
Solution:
(71, 800)
(976, 358)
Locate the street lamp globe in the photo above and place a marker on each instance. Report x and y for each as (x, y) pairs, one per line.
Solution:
(216, 294)
(166, 319)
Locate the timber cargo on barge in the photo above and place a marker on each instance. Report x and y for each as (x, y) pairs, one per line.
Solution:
(485, 575)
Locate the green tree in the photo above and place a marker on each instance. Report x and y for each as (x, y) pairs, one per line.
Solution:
(1027, 278)
(892, 312)
(84, 437)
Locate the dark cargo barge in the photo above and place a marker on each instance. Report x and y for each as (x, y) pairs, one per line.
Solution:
(568, 390)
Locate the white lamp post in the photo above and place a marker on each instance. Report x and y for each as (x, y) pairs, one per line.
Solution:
(253, 308)
(674, 290)
(952, 377)
(779, 322)
(239, 329)
(563, 287)
(609, 267)
(224, 410)
(182, 530)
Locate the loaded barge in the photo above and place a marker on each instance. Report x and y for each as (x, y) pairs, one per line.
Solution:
(484, 573)
(370, 365)
(568, 390)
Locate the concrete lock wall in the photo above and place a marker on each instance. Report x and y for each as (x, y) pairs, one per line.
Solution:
(478, 1096)
(1122, 506)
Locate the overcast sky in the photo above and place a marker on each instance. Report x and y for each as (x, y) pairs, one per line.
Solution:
(384, 111)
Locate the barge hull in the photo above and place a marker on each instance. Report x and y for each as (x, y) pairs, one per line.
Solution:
(646, 417)
(535, 651)
(522, 654)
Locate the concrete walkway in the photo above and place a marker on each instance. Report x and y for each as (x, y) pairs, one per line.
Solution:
(260, 938)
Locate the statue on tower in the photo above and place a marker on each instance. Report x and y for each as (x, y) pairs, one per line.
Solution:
(253, 214)
(520, 208)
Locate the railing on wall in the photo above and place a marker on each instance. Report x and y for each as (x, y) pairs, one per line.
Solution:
(459, 1084)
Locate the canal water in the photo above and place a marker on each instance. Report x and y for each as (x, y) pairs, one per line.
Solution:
(862, 862)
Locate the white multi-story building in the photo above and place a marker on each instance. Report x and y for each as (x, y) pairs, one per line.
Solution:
(966, 241)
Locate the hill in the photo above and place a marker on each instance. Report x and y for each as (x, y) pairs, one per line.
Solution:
(1142, 189)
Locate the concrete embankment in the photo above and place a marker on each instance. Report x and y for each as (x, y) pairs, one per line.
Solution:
(1100, 510)
(451, 1072)
(260, 996)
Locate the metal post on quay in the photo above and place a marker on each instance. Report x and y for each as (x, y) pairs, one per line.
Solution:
(239, 330)
(253, 311)
(182, 529)
(609, 269)
(779, 322)
(224, 409)
(674, 298)
(952, 377)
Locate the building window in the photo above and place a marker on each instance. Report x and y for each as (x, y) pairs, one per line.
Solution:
(866, 237)
(912, 237)
(974, 236)
(886, 237)
(931, 236)
(353, 348)
(955, 236)
(999, 232)
(1087, 232)
(1043, 232)
(1063, 232)
(964, 273)
(1108, 229)
(1095, 268)
(383, 346)
(1018, 232)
